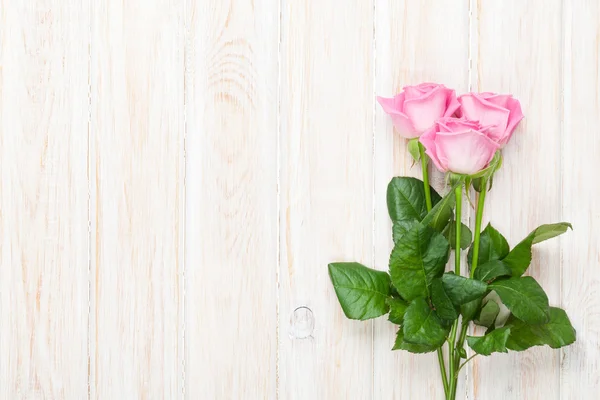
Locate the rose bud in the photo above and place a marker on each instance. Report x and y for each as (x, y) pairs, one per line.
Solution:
(416, 108)
(459, 146)
(501, 112)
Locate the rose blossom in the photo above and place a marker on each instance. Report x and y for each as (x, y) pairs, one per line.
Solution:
(459, 145)
(416, 108)
(501, 112)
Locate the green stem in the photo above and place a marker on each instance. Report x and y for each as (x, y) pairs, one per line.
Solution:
(478, 218)
(425, 176)
(453, 359)
(458, 195)
(461, 338)
(427, 190)
(466, 361)
(465, 325)
(440, 355)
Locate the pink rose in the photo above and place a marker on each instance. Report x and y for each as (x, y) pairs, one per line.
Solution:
(459, 145)
(501, 112)
(416, 108)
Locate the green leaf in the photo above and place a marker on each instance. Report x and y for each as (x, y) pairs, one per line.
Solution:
(494, 342)
(461, 352)
(442, 303)
(401, 344)
(441, 212)
(462, 290)
(422, 325)
(413, 149)
(406, 199)
(470, 309)
(489, 313)
(400, 228)
(492, 246)
(524, 297)
(397, 309)
(465, 235)
(557, 332)
(548, 231)
(361, 291)
(491, 270)
(416, 260)
(519, 258)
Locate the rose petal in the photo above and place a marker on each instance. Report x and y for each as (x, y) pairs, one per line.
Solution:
(392, 105)
(427, 139)
(516, 115)
(452, 104)
(404, 127)
(465, 153)
(423, 111)
(476, 108)
(450, 124)
(412, 92)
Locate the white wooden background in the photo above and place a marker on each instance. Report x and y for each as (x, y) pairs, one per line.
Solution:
(175, 176)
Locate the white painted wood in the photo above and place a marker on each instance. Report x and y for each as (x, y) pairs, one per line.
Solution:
(326, 186)
(519, 51)
(136, 157)
(231, 175)
(43, 199)
(580, 366)
(288, 158)
(414, 45)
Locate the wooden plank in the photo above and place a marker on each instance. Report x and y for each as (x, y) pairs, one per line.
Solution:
(414, 45)
(137, 199)
(580, 378)
(44, 242)
(517, 53)
(231, 180)
(326, 108)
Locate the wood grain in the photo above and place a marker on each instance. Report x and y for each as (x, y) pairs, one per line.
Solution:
(519, 51)
(43, 199)
(414, 45)
(231, 180)
(137, 199)
(580, 366)
(326, 212)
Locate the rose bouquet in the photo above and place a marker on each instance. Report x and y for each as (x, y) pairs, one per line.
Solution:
(464, 138)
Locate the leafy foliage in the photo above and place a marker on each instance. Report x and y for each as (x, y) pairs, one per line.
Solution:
(524, 297)
(444, 307)
(462, 290)
(425, 302)
(494, 342)
(401, 344)
(492, 246)
(422, 325)
(397, 309)
(557, 332)
(416, 260)
(465, 235)
(361, 291)
(519, 258)
(491, 270)
(488, 314)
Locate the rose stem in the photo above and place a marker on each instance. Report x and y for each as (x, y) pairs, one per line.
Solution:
(427, 190)
(478, 218)
(425, 176)
(452, 349)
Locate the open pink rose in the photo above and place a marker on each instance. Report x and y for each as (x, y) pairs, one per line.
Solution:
(416, 108)
(501, 112)
(459, 145)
